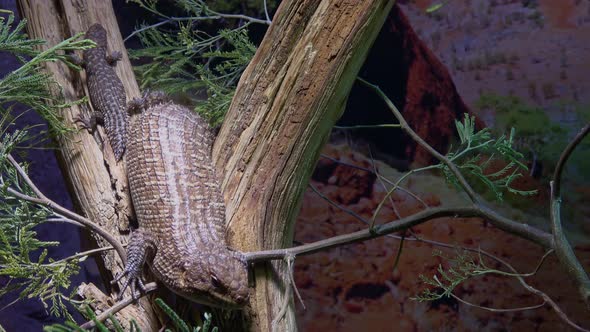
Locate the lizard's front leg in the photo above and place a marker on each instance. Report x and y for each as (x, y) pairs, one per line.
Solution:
(90, 123)
(113, 58)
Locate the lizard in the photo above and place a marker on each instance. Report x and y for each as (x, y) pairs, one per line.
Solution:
(106, 90)
(179, 207)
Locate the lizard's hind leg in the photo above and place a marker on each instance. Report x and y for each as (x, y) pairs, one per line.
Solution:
(149, 99)
(141, 247)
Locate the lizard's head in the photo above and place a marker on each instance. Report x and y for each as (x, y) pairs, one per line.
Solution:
(97, 34)
(218, 278)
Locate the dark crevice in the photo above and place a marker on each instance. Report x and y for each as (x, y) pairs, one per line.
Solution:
(371, 291)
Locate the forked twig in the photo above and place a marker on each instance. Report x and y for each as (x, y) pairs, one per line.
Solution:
(152, 286)
(59, 210)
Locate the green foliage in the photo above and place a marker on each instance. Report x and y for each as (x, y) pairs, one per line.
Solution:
(199, 8)
(23, 257)
(192, 63)
(436, 6)
(70, 326)
(181, 325)
(29, 85)
(477, 151)
(461, 267)
(537, 133)
(176, 320)
(221, 81)
(115, 325)
(14, 41)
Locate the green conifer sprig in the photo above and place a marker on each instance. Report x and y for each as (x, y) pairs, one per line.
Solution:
(477, 151)
(115, 324)
(460, 268)
(12, 40)
(23, 257)
(191, 63)
(29, 85)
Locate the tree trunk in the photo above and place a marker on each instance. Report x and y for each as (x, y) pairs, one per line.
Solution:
(287, 100)
(285, 105)
(98, 185)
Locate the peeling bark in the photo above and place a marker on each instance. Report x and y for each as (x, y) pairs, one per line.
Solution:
(287, 101)
(98, 184)
(285, 105)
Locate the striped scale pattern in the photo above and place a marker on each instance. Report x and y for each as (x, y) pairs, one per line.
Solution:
(106, 90)
(179, 206)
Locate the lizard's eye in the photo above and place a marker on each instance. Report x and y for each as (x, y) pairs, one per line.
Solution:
(215, 281)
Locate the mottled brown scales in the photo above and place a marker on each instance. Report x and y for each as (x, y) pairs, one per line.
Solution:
(106, 90)
(180, 208)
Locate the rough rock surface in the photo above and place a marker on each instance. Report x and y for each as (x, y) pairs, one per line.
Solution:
(419, 85)
(356, 287)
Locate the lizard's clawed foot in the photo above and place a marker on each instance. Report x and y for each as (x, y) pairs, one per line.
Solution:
(76, 60)
(114, 57)
(133, 280)
(149, 99)
(88, 123)
(140, 243)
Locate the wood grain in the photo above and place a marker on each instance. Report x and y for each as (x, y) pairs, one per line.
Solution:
(98, 184)
(287, 100)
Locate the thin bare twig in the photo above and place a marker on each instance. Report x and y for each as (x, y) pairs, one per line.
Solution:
(194, 18)
(386, 125)
(394, 188)
(565, 156)
(82, 254)
(515, 273)
(537, 236)
(536, 306)
(348, 211)
(383, 184)
(519, 276)
(533, 290)
(406, 127)
(152, 286)
(60, 210)
(266, 12)
(401, 188)
(61, 219)
(565, 253)
(558, 242)
(288, 294)
(215, 16)
(341, 208)
(400, 247)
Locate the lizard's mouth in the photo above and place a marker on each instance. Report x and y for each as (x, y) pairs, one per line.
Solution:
(214, 300)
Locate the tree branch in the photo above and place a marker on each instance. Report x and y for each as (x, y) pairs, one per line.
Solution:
(152, 286)
(563, 249)
(565, 156)
(521, 230)
(406, 127)
(60, 210)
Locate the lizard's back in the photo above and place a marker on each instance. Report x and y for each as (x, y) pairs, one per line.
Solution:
(178, 200)
(106, 90)
(172, 176)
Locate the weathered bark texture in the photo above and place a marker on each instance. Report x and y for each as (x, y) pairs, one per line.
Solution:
(286, 103)
(99, 185)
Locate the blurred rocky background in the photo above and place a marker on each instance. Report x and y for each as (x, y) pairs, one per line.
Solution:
(510, 63)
